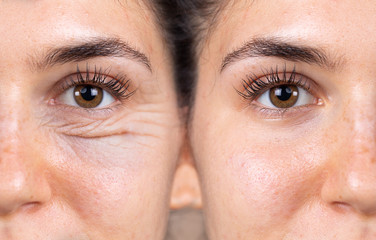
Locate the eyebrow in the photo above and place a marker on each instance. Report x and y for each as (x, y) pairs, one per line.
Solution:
(96, 47)
(277, 47)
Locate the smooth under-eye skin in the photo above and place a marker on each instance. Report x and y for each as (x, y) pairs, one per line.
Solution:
(301, 172)
(100, 169)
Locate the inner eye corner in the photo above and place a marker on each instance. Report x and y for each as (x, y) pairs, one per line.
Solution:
(320, 102)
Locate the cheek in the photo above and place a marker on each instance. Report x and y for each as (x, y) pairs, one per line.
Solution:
(88, 181)
(274, 180)
(108, 182)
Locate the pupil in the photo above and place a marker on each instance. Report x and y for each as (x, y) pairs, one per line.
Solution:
(88, 93)
(283, 93)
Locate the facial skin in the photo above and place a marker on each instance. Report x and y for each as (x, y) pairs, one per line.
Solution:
(69, 172)
(304, 172)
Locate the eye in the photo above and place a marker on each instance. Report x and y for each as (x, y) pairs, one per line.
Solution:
(86, 96)
(285, 96)
(91, 90)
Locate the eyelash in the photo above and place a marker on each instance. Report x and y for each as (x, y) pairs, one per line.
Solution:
(254, 86)
(117, 86)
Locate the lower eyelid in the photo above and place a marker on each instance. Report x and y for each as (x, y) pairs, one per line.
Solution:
(295, 113)
(63, 111)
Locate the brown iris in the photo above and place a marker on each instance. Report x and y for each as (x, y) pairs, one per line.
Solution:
(284, 96)
(88, 96)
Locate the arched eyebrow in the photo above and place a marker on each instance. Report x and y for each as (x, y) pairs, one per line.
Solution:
(277, 47)
(96, 47)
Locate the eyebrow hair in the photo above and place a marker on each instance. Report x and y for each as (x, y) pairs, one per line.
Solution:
(276, 47)
(95, 47)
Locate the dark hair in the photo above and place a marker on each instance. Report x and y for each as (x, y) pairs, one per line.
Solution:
(186, 24)
(175, 25)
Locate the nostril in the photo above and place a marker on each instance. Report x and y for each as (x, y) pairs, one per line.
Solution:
(351, 187)
(22, 189)
(342, 206)
(27, 207)
(30, 207)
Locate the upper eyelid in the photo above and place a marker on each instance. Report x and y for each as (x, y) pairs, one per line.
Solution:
(118, 86)
(71, 83)
(253, 85)
(115, 82)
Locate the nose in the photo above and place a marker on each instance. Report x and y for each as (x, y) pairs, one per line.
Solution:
(351, 174)
(352, 187)
(23, 183)
(185, 190)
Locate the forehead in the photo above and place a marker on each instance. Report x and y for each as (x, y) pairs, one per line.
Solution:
(31, 25)
(323, 21)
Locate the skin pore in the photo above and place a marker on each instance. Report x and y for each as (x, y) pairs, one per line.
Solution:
(302, 169)
(75, 171)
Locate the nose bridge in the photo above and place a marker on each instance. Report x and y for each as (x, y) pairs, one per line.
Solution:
(362, 145)
(21, 181)
(357, 179)
(13, 169)
(361, 121)
(13, 134)
(352, 179)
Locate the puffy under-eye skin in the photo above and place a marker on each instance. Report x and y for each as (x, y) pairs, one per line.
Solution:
(302, 172)
(84, 170)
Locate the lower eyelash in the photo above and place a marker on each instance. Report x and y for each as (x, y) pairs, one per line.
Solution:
(278, 112)
(118, 86)
(254, 86)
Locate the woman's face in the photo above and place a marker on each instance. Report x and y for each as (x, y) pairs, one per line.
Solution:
(284, 127)
(89, 125)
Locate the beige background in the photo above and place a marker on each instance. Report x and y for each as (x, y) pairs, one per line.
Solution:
(186, 224)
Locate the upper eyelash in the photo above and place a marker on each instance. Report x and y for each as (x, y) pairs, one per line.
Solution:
(254, 86)
(118, 86)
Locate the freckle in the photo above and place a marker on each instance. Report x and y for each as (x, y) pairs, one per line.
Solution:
(7, 149)
(365, 149)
